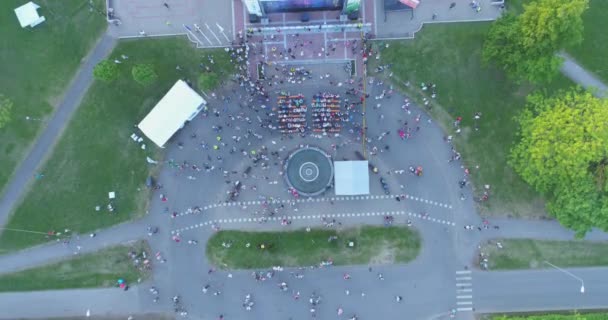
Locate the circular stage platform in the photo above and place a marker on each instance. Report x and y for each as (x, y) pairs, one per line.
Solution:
(309, 171)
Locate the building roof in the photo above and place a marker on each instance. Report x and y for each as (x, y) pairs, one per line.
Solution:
(351, 177)
(27, 15)
(179, 105)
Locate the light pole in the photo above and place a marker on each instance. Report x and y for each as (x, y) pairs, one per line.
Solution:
(568, 273)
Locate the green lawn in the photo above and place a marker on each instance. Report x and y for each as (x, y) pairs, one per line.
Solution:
(527, 254)
(95, 154)
(562, 316)
(37, 65)
(449, 55)
(373, 245)
(99, 269)
(593, 52)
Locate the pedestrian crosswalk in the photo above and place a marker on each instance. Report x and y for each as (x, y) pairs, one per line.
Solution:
(464, 291)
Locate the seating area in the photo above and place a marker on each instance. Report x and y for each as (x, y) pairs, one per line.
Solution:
(291, 112)
(326, 116)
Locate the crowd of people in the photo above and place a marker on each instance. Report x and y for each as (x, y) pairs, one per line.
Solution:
(248, 135)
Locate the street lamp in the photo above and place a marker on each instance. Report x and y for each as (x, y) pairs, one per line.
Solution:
(568, 273)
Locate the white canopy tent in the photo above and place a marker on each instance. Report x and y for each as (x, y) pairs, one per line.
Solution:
(28, 16)
(179, 105)
(351, 178)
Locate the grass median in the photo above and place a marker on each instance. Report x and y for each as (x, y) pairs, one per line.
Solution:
(98, 269)
(530, 254)
(37, 65)
(449, 55)
(96, 155)
(556, 316)
(372, 245)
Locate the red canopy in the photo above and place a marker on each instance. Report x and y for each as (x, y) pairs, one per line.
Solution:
(410, 3)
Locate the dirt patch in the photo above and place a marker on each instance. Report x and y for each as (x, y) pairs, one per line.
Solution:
(386, 255)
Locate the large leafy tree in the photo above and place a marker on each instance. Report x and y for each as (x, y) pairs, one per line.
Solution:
(563, 153)
(144, 74)
(525, 45)
(106, 71)
(6, 108)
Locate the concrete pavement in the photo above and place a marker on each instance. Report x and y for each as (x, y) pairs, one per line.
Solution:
(540, 290)
(69, 303)
(571, 69)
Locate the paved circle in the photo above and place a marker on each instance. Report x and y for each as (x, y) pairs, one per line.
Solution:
(309, 170)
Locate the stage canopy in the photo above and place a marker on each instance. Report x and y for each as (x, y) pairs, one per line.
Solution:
(179, 105)
(28, 16)
(351, 178)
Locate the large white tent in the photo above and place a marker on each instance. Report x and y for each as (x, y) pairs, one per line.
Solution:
(28, 16)
(351, 178)
(179, 105)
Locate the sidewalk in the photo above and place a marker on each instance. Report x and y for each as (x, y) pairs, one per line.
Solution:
(571, 69)
(70, 303)
(50, 135)
(57, 251)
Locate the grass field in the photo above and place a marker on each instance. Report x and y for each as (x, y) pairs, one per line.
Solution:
(99, 269)
(527, 254)
(37, 65)
(449, 55)
(592, 52)
(373, 245)
(561, 316)
(95, 154)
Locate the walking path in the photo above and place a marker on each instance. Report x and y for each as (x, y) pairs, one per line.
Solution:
(67, 303)
(56, 251)
(574, 71)
(47, 139)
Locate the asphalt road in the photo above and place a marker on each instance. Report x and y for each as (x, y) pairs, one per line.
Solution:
(539, 290)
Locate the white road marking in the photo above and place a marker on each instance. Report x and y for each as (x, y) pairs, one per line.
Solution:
(464, 297)
(463, 272)
(464, 285)
(460, 303)
(464, 309)
(464, 290)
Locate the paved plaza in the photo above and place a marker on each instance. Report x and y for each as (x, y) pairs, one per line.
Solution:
(225, 170)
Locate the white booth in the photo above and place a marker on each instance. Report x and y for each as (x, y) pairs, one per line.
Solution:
(180, 105)
(351, 178)
(28, 16)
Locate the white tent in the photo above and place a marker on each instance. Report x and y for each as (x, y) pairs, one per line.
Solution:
(351, 177)
(28, 15)
(179, 105)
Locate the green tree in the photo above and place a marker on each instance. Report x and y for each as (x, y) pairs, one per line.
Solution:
(208, 81)
(563, 153)
(525, 45)
(106, 71)
(144, 74)
(6, 108)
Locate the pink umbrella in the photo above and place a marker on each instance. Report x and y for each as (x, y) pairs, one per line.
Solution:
(410, 3)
